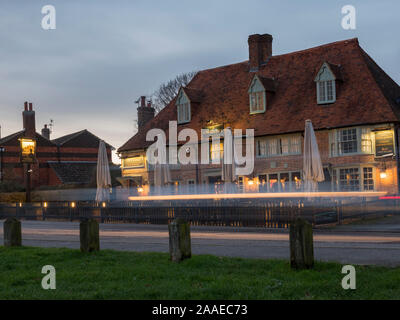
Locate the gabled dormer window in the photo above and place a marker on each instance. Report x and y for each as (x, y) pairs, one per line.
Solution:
(183, 107)
(325, 85)
(257, 96)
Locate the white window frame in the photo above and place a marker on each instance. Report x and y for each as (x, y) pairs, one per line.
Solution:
(257, 88)
(334, 142)
(183, 101)
(336, 175)
(279, 151)
(325, 77)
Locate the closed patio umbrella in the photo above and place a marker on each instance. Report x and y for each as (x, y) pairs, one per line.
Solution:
(313, 171)
(228, 161)
(162, 174)
(103, 174)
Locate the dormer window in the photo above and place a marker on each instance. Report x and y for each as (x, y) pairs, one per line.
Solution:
(326, 84)
(257, 96)
(183, 107)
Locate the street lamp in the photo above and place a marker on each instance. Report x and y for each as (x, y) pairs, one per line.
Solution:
(28, 151)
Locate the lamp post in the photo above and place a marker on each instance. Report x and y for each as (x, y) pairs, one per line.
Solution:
(28, 150)
(2, 149)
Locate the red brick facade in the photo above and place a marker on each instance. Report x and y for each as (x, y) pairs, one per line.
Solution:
(80, 147)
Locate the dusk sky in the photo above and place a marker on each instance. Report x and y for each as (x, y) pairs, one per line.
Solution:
(103, 55)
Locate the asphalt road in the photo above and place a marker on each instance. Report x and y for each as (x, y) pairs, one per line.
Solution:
(345, 245)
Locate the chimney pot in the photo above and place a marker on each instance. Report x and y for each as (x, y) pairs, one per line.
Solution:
(30, 106)
(260, 49)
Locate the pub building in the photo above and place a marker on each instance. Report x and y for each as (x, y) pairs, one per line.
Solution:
(353, 104)
(69, 160)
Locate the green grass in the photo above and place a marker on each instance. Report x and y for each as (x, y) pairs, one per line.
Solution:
(127, 275)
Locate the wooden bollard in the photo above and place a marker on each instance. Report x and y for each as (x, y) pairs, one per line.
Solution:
(301, 244)
(89, 235)
(179, 240)
(12, 233)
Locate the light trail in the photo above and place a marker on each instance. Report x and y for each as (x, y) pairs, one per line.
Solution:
(218, 196)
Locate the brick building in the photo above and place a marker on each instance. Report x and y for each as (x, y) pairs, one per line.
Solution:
(68, 160)
(353, 104)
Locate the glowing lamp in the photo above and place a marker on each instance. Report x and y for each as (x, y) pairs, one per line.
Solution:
(250, 182)
(45, 204)
(383, 175)
(140, 190)
(73, 204)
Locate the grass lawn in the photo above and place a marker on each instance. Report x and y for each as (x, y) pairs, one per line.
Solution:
(127, 275)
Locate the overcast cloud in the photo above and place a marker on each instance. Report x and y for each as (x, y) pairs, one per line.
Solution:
(103, 55)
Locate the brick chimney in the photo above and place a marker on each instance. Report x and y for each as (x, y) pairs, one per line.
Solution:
(46, 132)
(145, 112)
(28, 118)
(260, 49)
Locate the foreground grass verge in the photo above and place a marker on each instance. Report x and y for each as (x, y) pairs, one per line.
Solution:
(128, 275)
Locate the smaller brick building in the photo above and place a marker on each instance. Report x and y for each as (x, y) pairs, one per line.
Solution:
(67, 160)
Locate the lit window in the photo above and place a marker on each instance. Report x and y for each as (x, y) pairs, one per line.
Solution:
(366, 142)
(349, 179)
(368, 182)
(216, 152)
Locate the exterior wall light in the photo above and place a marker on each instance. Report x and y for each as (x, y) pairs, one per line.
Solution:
(140, 189)
(45, 204)
(73, 204)
(103, 204)
(383, 175)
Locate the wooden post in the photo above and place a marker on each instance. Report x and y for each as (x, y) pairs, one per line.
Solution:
(12, 233)
(179, 240)
(89, 235)
(301, 244)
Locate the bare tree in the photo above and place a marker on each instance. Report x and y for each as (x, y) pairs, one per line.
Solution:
(167, 91)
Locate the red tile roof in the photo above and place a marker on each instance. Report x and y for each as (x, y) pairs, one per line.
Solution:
(366, 95)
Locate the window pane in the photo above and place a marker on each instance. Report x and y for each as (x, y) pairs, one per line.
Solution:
(262, 148)
(295, 144)
(272, 147)
(285, 145)
(366, 142)
(349, 179)
(368, 179)
(322, 96)
(329, 90)
(348, 141)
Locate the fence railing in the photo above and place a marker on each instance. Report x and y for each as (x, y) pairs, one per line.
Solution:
(271, 213)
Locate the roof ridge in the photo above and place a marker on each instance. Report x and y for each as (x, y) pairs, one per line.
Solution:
(318, 47)
(10, 136)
